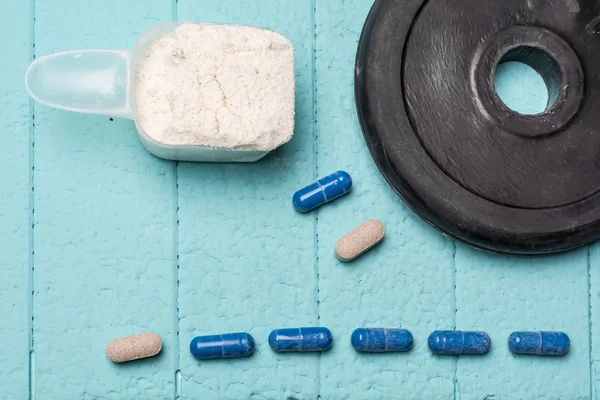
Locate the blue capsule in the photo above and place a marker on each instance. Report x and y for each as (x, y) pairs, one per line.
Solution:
(300, 339)
(322, 191)
(227, 345)
(381, 340)
(459, 342)
(539, 343)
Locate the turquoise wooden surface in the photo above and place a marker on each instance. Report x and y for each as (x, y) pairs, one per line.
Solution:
(102, 240)
(15, 209)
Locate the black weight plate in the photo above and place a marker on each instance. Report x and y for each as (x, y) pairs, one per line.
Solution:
(443, 139)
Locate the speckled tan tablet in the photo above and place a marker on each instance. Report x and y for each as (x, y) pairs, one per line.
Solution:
(134, 347)
(359, 240)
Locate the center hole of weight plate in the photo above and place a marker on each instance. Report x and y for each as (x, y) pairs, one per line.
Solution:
(527, 80)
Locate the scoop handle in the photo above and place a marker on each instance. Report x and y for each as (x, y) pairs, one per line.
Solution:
(85, 81)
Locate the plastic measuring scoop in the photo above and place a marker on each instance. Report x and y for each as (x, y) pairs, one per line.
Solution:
(101, 82)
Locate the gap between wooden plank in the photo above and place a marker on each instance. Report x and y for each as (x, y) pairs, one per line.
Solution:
(591, 353)
(455, 272)
(316, 176)
(177, 379)
(32, 223)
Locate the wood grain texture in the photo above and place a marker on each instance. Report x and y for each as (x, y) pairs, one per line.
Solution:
(246, 257)
(119, 234)
(501, 294)
(104, 258)
(15, 200)
(406, 281)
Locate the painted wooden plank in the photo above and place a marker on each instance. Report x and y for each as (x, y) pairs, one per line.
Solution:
(405, 282)
(15, 196)
(104, 221)
(502, 294)
(246, 257)
(594, 319)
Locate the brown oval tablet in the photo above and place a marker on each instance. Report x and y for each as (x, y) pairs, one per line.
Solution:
(134, 347)
(359, 240)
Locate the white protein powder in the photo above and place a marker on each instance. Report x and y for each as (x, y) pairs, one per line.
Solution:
(220, 86)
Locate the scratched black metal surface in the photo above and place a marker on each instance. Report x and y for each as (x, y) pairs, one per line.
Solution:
(439, 133)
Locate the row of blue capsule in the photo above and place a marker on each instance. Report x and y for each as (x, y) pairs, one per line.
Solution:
(378, 340)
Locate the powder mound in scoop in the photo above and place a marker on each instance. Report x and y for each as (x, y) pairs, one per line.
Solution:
(220, 86)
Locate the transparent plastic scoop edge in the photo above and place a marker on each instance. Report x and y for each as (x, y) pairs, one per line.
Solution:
(85, 81)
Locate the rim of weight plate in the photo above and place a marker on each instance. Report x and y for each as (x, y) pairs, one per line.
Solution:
(512, 206)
